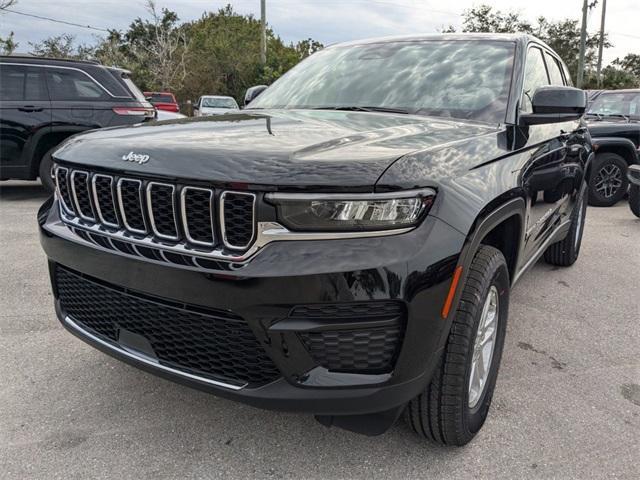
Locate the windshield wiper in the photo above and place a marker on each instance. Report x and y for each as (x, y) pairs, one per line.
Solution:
(617, 115)
(355, 108)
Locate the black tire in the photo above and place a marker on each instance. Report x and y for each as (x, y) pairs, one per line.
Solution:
(634, 199)
(442, 412)
(565, 252)
(44, 171)
(608, 169)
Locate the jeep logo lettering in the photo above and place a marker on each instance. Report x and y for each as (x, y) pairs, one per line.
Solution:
(136, 157)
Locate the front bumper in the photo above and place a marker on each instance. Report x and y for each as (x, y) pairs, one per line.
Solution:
(633, 174)
(413, 270)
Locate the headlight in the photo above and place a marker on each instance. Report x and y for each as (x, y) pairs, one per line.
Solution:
(352, 212)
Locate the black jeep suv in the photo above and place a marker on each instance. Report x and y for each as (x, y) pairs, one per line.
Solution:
(43, 101)
(614, 125)
(346, 245)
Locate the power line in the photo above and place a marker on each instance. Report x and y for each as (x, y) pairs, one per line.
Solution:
(40, 17)
(624, 35)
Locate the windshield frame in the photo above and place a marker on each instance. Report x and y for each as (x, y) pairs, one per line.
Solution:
(505, 97)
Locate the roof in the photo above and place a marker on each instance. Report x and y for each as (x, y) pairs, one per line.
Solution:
(505, 37)
(625, 90)
(26, 58)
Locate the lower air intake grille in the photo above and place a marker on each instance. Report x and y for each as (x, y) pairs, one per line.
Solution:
(214, 345)
(370, 350)
(355, 351)
(349, 310)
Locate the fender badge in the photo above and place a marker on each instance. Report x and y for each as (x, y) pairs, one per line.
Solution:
(136, 157)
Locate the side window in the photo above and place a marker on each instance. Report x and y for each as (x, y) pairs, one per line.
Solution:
(554, 70)
(20, 83)
(535, 76)
(73, 85)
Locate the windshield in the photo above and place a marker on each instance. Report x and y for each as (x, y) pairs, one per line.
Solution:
(624, 104)
(460, 79)
(219, 103)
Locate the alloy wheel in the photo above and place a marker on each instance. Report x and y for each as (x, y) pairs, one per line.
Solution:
(483, 347)
(608, 180)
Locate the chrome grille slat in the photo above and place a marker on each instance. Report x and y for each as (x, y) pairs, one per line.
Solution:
(62, 188)
(134, 206)
(173, 222)
(237, 219)
(106, 213)
(192, 216)
(80, 194)
(163, 227)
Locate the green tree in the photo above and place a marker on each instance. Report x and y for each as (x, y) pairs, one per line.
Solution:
(216, 54)
(8, 45)
(484, 18)
(61, 46)
(630, 63)
(562, 36)
(224, 54)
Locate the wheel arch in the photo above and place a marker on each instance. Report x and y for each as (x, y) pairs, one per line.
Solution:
(45, 142)
(501, 228)
(620, 146)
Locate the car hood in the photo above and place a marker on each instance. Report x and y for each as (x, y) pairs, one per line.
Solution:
(281, 148)
(615, 128)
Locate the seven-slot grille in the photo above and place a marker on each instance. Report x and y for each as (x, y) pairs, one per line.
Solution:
(163, 211)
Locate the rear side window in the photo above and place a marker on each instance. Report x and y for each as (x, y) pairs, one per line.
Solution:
(67, 84)
(554, 70)
(535, 76)
(20, 83)
(160, 98)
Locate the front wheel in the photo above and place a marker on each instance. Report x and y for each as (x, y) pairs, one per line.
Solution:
(608, 182)
(454, 406)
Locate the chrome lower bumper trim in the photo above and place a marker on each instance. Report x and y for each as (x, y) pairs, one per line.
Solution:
(147, 361)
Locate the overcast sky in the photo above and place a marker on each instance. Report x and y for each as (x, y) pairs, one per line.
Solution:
(328, 21)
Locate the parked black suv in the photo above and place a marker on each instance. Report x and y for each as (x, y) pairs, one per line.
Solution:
(614, 125)
(43, 101)
(346, 245)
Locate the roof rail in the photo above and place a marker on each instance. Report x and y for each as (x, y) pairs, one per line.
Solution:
(27, 56)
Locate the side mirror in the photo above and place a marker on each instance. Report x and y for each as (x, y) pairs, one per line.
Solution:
(552, 104)
(252, 93)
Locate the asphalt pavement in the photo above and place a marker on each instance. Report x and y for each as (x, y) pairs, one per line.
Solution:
(567, 401)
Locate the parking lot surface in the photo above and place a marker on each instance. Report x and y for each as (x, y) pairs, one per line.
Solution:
(567, 401)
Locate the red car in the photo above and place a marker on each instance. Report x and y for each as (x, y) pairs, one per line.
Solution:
(163, 101)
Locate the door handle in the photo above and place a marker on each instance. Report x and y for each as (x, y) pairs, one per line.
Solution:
(30, 108)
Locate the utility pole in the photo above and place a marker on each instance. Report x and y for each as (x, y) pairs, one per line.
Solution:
(263, 34)
(601, 46)
(583, 41)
